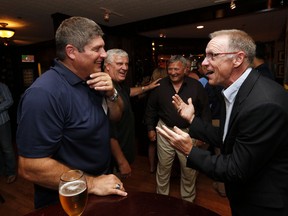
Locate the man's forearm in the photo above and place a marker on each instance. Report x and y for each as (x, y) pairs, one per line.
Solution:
(42, 171)
(116, 151)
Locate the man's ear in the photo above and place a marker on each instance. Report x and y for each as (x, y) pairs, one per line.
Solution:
(70, 51)
(239, 59)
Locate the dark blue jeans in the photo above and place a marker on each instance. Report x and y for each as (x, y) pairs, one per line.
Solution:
(7, 150)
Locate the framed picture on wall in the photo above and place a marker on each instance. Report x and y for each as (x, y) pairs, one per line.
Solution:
(280, 71)
(281, 56)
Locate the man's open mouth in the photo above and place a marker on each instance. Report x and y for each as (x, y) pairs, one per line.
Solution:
(209, 72)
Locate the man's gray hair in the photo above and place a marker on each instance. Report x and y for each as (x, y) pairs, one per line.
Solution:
(77, 31)
(110, 53)
(176, 58)
(238, 41)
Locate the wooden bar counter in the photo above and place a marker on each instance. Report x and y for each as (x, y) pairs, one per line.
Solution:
(136, 203)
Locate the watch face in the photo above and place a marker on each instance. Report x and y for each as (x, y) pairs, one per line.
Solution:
(115, 96)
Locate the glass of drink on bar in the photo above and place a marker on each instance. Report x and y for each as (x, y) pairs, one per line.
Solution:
(73, 192)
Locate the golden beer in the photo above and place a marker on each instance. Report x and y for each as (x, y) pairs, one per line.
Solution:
(73, 197)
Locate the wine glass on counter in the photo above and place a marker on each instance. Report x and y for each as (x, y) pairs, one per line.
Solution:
(73, 192)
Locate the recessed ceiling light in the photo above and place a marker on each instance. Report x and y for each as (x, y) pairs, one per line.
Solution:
(200, 27)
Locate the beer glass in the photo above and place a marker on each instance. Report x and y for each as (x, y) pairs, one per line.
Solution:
(73, 192)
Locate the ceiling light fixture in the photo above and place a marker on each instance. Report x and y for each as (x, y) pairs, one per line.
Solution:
(6, 32)
(200, 27)
(108, 12)
(232, 5)
(107, 16)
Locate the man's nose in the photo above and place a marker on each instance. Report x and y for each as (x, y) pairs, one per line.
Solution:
(125, 67)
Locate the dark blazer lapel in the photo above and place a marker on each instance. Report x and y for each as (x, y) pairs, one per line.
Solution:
(242, 94)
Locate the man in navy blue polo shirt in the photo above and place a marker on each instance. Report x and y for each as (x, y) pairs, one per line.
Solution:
(63, 118)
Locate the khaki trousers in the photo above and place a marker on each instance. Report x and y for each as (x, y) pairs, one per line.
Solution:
(166, 155)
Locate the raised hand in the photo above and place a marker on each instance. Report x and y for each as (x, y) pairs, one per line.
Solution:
(186, 111)
(154, 84)
(177, 138)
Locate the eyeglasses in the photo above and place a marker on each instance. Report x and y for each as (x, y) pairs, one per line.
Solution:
(211, 56)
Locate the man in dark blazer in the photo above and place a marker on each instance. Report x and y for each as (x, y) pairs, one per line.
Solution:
(253, 133)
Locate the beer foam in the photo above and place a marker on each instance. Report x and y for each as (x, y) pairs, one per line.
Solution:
(72, 188)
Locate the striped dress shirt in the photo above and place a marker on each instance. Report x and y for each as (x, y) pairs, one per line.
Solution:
(6, 101)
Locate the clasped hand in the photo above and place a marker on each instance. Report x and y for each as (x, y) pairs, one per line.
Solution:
(101, 81)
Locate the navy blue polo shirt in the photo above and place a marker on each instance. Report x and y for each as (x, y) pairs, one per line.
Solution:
(60, 116)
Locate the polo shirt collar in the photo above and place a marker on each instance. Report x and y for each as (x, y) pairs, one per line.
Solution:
(72, 78)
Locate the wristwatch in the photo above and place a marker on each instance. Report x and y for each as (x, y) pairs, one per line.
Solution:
(114, 97)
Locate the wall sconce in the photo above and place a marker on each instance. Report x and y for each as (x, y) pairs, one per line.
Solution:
(6, 32)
